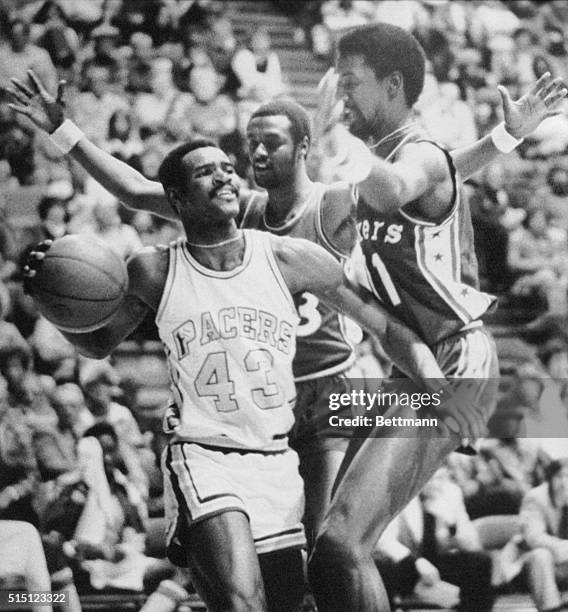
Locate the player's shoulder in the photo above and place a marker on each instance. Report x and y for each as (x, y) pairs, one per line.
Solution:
(148, 270)
(303, 263)
(288, 248)
(425, 151)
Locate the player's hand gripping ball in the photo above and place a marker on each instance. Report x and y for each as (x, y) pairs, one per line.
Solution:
(77, 282)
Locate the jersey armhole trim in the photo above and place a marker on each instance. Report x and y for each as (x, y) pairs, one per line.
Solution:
(172, 264)
(321, 232)
(271, 258)
(455, 193)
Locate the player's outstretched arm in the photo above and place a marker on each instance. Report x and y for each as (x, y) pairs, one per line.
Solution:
(308, 267)
(137, 303)
(521, 116)
(47, 113)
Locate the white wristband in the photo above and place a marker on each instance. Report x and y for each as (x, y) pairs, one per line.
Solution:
(503, 140)
(66, 136)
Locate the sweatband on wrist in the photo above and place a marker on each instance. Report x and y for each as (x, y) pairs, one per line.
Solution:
(66, 136)
(502, 140)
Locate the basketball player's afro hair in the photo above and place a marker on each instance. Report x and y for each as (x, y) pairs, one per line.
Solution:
(171, 171)
(297, 115)
(386, 49)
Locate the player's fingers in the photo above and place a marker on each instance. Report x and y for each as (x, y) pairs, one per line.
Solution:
(23, 88)
(541, 82)
(554, 98)
(23, 110)
(38, 85)
(60, 91)
(505, 96)
(44, 245)
(36, 256)
(552, 85)
(19, 97)
(29, 272)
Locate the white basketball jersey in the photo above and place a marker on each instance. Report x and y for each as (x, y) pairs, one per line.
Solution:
(230, 340)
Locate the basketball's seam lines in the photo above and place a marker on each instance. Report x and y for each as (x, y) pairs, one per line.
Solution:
(73, 297)
(82, 261)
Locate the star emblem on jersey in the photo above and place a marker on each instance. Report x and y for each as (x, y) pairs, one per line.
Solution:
(465, 292)
(438, 257)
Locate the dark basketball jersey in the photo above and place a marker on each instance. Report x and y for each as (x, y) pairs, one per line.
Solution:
(322, 346)
(423, 272)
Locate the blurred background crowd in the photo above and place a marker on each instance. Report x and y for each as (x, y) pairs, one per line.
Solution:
(141, 77)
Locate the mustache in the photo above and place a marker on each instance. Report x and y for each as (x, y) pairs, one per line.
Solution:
(216, 190)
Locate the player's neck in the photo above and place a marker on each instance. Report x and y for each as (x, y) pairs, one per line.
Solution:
(286, 201)
(385, 135)
(392, 139)
(219, 249)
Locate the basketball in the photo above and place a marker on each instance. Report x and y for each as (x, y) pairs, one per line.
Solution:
(79, 284)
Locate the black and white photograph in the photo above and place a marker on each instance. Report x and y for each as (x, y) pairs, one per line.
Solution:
(283, 305)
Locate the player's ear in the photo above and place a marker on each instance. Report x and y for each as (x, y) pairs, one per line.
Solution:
(304, 147)
(395, 83)
(174, 199)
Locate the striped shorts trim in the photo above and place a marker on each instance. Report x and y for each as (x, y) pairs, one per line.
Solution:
(200, 483)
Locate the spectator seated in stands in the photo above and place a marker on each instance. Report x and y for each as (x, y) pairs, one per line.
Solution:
(95, 105)
(258, 69)
(139, 64)
(57, 37)
(18, 469)
(122, 140)
(22, 562)
(109, 539)
(538, 255)
(444, 115)
(493, 219)
(120, 237)
(547, 421)
(433, 542)
(100, 385)
(105, 53)
(505, 470)
(212, 114)
(16, 144)
(554, 196)
(544, 518)
(164, 107)
(18, 54)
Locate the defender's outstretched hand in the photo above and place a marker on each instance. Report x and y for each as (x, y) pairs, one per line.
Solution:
(35, 102)
(524, 115)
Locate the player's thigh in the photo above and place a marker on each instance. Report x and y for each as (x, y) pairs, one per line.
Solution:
(319, 466)
(381, 478)
(222, 560)
(471, 357)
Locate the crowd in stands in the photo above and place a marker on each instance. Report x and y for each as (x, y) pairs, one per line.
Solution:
(74, 461)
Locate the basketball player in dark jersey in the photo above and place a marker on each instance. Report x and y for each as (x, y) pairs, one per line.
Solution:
(415, 255)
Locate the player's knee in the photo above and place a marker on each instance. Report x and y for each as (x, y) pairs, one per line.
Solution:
(245, 598)
(334, 548)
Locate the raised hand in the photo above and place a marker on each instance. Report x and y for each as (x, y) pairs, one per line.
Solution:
(36, 103)
(524, 115)
(326, 113)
